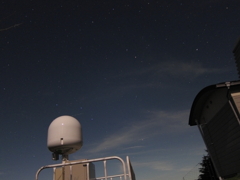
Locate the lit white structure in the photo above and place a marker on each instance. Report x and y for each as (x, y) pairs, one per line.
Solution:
(64, 138)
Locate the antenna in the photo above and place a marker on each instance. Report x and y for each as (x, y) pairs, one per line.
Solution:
(64, 137)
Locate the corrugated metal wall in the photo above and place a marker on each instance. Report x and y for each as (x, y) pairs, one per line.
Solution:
(236, 99)
(224, 130)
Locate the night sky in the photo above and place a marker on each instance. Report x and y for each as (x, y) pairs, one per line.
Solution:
(127, 70)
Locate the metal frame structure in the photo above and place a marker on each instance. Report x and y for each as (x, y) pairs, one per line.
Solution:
(128, 173)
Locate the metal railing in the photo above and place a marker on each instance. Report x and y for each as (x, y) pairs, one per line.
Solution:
(128, 173)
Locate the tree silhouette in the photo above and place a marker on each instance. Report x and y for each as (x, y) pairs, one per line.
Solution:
(207, 170)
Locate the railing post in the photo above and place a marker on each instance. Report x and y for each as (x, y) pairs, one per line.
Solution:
(105, 169)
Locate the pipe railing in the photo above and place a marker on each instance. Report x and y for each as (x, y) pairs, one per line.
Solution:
(130, 173)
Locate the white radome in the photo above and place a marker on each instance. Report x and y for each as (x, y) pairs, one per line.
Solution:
(64, 135)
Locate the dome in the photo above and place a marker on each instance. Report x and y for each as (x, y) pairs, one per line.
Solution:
(64, 135)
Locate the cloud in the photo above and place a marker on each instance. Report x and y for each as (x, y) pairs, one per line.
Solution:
(133, 147)
(154, 124)
(159, 75)
(174, 68)
(190, 169)
(156, 165)
(179, 68)
(165, 75)
(170, 121)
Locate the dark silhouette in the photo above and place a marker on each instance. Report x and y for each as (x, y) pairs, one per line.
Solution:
(207, 170)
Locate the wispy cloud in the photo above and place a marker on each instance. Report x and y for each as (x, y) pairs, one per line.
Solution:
(179, 68)
(164, 75)
(190, 169)
(154, 123)
(133, 147)
(156, 165)
(156, 75)
(175, 68)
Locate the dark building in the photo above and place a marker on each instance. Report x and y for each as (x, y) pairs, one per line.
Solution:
(216, 111)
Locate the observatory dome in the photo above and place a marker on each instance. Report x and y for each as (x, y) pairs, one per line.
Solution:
(64, 135)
